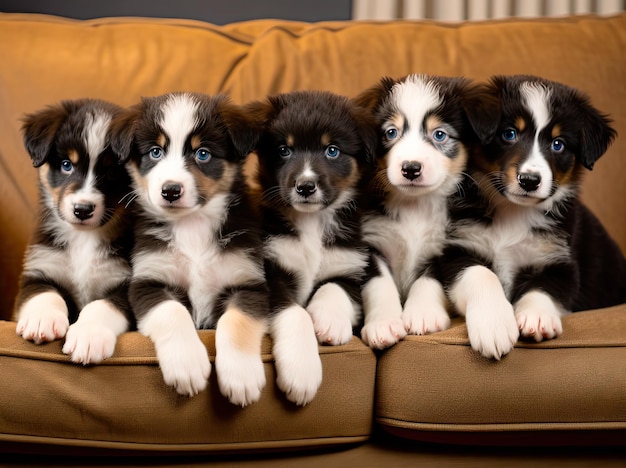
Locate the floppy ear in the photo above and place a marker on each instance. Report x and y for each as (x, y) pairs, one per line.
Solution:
(243, 130)
(372, 97)
(122, 131)
(40, 128)
(481, 104)
(595, 136)
(368, 132)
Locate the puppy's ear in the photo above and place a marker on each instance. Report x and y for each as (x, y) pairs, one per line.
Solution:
(39, 130)
(595, 136)
(122, 132)
(368, 132)
(371, 98)
(481, 104)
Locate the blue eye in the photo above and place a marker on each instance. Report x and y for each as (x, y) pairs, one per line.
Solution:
(156, 152)
(391, 133)
(440, 136)
(66, 165)
(332, 152)
(510, 134)
(203, 154)
(558, 145)
(284, 151)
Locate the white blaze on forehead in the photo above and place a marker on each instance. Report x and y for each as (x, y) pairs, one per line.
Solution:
(536, 97)
(95, 139)
(178, 121)
(415, 97)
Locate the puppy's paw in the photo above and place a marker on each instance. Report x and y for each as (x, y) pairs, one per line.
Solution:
(43, 318)
(383, 333)
(538, 316)
(425, 308)
(241, 376)
(332, 313)
(185, 364)
(492, 328)
(91, 339)
(296, 354)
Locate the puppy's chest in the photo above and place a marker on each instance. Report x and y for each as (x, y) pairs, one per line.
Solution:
(408, 237)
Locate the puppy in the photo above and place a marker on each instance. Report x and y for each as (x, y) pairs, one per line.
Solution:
(313, 149)
(76, 271)
(426, 126)
(197, 259)
(524, 251)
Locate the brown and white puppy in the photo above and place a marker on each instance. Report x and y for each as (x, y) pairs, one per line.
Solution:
(426, 128)
(197, 260)
(523, 250)
(313, 150)
(76, 270)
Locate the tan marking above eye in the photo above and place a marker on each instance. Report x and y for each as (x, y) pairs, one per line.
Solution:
(520, 124)
(161, 140)
(433, 122)
(325, 140)
(196, 142)
(556, 131)
(290, 140)
(73, 156)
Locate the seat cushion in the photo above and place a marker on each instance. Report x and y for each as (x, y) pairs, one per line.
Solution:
(436, 387)
(124, 404)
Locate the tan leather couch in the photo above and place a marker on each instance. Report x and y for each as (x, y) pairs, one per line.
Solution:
(372, 408)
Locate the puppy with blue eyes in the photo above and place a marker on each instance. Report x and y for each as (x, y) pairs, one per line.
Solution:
(426, 130)
(197, 260)
(523, 250)
(313, 150)
(76, 271)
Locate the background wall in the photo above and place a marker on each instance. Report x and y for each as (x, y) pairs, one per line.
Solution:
(214, 11)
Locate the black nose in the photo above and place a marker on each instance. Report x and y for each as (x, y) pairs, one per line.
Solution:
(529, 181)
(306, 188)
(84, 211)
(172, 192)
(411, 169)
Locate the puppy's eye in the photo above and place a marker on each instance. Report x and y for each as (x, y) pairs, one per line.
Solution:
(510, 134)
(156, 152)
(391, 133)
(203, 154)
(440, 136)
(284, 151)
(67, 166)
(332, 152)
(558, 146)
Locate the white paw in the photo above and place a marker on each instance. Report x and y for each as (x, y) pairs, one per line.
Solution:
(238, 363)
(489, 316)
(43, 318)
(538, 316)
(425, 308)
(91, 339)
(383, 333)
(332, 313)
(182, 356)
(296, 354)
(241, 376)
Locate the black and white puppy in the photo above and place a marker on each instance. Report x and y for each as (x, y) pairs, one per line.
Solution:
(197, 259)
(524, 251)
(426, 132)
(314, 148)
(77, 268)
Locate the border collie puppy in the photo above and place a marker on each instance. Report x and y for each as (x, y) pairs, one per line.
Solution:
(425, 126)
(196, 261)
(313, 149)
(76, 270)
(524, 251)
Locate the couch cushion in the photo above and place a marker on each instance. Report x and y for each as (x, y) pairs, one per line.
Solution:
(436, 387)
(123, 404)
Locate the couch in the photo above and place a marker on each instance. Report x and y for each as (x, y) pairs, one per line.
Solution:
(429, 398)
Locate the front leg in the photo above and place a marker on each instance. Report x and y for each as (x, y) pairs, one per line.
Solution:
(333, 313)
(425, 308)
(382, 309)
(43, 317)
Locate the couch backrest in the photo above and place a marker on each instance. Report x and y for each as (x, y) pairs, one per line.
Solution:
(46, 59)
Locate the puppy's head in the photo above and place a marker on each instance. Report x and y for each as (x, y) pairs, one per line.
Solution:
(427, 125)
(80, 177)
(314, 147)
(182, 150)
(546, 133)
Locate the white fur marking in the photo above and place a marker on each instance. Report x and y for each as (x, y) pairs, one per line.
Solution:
(43, 318)
(333, 314)
(538, 316)
(425, 308)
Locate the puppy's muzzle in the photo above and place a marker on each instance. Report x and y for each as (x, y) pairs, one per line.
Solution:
(529, 181)
(411, 170)
(172, 191)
